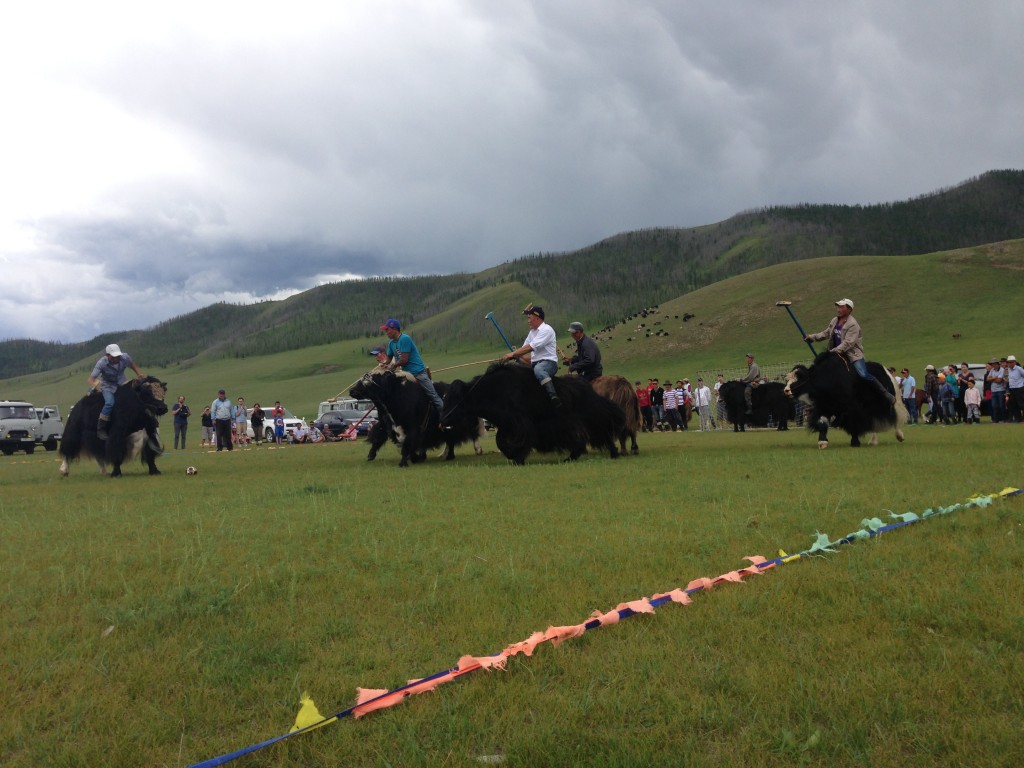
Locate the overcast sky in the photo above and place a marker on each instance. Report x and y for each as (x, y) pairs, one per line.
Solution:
(158, 157)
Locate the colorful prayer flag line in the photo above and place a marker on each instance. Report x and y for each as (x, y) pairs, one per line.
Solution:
(371, 699)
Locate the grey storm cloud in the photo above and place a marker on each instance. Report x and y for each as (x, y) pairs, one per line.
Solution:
(334, 140)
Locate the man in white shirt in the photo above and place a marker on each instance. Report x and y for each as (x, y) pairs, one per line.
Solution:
(702, 398)
(539, 351)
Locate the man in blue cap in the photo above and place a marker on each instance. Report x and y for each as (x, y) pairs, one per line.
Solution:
(402, 351)
(539, 351)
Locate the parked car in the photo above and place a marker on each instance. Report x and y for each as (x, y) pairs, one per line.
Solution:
(339, 421)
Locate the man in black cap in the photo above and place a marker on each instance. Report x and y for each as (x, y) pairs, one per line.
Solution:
(539, 351)
(587, 360)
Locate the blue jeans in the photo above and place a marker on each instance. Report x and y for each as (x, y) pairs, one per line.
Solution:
(545, 369)
(108, 403)
(428, 387)
(911, 404)
(861, 367)
(998, 406)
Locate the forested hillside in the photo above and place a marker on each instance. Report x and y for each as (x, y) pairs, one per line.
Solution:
(598, 284)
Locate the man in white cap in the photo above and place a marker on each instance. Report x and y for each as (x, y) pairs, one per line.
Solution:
(108, 375)
(844, 338)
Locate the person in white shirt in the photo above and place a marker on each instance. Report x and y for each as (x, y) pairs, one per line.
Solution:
(702, 398)
(539, 351)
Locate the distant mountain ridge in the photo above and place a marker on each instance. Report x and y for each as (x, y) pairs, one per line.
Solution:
(598, 285)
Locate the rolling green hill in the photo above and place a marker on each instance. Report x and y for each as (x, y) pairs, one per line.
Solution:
(910, 308)
(598, 285)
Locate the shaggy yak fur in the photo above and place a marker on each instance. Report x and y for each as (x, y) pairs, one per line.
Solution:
(621, 392)
(509, 396)
(137, 405)
(769, 401)
(406, 416)
(840, 398)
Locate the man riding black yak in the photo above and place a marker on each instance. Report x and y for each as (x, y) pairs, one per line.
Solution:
(844, 338)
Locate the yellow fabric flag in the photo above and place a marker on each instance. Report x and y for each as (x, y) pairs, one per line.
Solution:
(309, 715)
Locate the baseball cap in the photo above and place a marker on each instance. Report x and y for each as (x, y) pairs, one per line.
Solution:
(221, 392)
(391, 323)
(844, 302)
(376, 351)
(113, 350)
(575, 327)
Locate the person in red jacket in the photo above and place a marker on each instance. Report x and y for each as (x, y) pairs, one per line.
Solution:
(643, 394)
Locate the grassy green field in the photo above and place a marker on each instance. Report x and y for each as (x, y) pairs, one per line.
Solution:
(162, 621)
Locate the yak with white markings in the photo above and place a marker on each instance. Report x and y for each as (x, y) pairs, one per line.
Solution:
(407, 417)
(132, 431)
(838, 397)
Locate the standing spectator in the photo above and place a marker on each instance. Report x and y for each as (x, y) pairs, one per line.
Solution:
(685, 403)
(643, 396)
(719, 405)
(751, 380)
(241, 422)
(954, 385)
(658, 405)
(587, 360)
(181, 413)
(972, 402)
(1015, 386)
(962, 377)
(278, 414)
(931, 391)
(908, 387)
(996, 382)
(220, 411)
(671, 403)
(256, 418)
(702, 398)
(947, 398)
(206, 422)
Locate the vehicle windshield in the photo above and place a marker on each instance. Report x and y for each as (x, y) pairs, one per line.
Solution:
(17, 412)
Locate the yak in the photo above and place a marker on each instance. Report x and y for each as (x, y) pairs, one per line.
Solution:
(509, 396)
(769, 403)
(132, 430)
(839, 397)
(406, 416)
(621, 392)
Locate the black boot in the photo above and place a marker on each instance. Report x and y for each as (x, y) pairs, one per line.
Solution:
(101, 427)
(890, 398)
(549, 387)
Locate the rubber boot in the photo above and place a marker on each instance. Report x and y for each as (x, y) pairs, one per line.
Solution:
(549, 387)
(890, 398)
(101, 427)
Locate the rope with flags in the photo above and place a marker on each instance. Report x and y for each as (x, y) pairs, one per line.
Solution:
(369, 700)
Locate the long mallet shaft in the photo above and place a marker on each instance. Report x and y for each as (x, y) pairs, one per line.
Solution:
(787, 305)
(490, 316)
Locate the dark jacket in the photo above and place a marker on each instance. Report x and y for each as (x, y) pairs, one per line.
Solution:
(587, 360)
